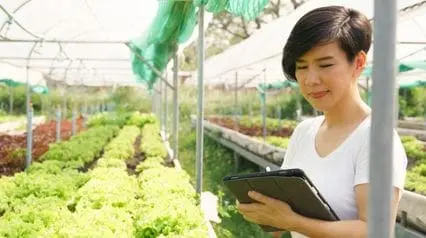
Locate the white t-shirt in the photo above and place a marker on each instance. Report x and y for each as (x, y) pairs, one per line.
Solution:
(337, 174)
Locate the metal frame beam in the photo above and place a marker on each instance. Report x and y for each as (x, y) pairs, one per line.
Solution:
(63, 59)
(64, 41)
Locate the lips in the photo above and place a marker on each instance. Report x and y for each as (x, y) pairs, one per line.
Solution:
(319, 94)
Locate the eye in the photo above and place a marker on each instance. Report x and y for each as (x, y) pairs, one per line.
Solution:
(326, 65)
(301, 67)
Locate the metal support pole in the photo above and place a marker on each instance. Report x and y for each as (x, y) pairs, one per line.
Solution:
(166, 109)
(65, 110)
(153, 101)
(58, 124)
(264, 110)
(175, 108)
(200, 112)
(84, 116)
(29, 112)
(73, 125)
(160, 104)
(368, 92)
(29, 137)
(236, 101)
(383, 120)
(237, 162)
(10, 100)
(299, 105)
(279, 116)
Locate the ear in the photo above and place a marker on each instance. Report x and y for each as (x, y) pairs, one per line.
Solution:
(360, 61)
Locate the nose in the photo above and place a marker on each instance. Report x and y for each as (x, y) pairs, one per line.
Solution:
(312, 77)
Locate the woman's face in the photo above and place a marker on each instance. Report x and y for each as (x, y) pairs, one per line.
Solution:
(326, 77)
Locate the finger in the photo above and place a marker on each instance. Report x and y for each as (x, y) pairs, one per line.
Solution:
(260, 197)
(250, 217)
(252, 207)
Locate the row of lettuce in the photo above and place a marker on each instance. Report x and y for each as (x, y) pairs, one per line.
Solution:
(56, 198)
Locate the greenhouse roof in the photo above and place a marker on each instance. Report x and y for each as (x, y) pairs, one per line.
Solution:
(92, 33)
(253, 56)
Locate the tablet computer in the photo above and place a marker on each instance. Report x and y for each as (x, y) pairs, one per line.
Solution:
(289, 185)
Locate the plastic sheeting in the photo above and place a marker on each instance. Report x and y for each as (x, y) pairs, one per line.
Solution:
(173, 25)
(248, 9)
(263, 50)
(77, 20)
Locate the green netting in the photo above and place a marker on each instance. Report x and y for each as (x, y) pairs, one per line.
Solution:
(262, 88)
(248, 9)
(11, 83)
(403, 67)
(36, 88)
(174, 24)
(278, 85)
(40, 89)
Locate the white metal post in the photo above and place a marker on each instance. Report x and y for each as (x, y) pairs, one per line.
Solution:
(58, 124)
(160, 105)
(166, 107)
(200, 112)
(383, 119)
(10, 100)
(265, 132)
(29, 111)
(73, 125)
(175, 107)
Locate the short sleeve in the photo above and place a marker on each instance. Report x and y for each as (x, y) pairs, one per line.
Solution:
(399, 163)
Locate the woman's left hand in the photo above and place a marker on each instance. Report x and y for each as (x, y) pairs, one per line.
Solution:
(268, 211)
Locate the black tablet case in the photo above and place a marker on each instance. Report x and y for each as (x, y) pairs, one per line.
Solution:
(291, 186)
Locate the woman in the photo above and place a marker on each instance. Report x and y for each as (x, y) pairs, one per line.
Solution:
(326, 52)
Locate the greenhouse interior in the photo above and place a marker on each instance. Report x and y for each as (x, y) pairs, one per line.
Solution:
(121, 119)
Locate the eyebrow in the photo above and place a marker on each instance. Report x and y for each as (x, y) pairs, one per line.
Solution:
(319, 59)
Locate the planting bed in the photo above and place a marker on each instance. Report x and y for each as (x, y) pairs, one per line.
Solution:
(13, 148)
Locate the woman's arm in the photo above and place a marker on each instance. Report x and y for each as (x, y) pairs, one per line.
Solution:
(349, 228)
(276, 213)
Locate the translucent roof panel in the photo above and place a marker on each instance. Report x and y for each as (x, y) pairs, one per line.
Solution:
(19, 74)
(105, 24)
(263, 50)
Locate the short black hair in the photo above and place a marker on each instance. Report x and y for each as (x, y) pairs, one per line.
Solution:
(350, 28)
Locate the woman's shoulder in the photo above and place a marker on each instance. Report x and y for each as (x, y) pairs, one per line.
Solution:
(308, 123)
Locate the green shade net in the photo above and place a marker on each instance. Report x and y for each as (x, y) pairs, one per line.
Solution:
(11, 83)
(36, 88)
(248, 9)
(40, 89)
(403, 67)
(262, 88)
(173, 25)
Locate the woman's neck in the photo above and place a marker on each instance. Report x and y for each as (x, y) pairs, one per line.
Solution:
(350, 110)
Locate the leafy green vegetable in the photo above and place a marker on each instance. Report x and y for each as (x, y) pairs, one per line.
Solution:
(121, 147)
(141, 119)
(152, 145)
(168, 204)
(82, 148)
(281, 142)
(108, 118)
